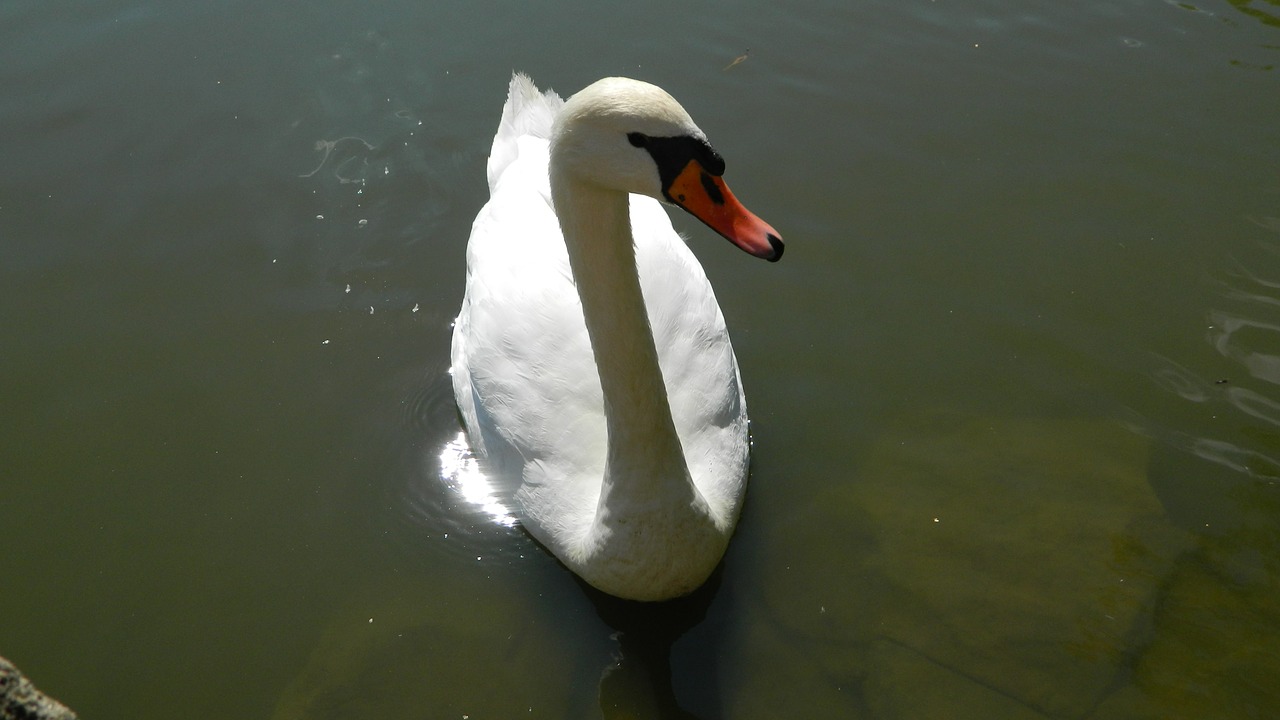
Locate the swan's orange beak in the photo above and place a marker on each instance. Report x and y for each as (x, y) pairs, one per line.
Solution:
(706, 197)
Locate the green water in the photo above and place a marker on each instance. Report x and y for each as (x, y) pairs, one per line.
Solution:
(1014, 392)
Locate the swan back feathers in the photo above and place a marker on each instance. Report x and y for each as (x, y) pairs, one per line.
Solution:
(528, 112)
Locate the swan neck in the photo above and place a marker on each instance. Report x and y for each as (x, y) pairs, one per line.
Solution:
(645, 462)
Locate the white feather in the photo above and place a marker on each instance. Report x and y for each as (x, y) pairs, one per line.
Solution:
(530, 393)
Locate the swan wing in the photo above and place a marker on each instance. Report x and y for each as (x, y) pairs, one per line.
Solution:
(528, 112)
(698, 364)
(523, 370)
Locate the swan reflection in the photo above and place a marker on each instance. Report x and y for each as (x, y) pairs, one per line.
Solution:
(460, 471)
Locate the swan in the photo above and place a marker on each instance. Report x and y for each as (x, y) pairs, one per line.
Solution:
(590, 361)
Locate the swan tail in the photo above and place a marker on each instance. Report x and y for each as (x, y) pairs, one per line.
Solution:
(528, 112)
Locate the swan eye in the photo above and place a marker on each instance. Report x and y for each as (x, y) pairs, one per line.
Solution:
(637, 139)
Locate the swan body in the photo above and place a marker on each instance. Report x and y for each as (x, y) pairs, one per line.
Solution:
(590, 361)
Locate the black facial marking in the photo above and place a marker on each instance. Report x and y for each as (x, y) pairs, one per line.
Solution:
(713, 192)
(672, 154)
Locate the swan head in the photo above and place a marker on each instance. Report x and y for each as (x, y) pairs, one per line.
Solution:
(632, 136)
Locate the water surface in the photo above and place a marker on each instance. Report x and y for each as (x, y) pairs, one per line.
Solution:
(1013, 388)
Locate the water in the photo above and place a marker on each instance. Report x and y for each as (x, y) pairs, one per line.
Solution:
(1013, 387)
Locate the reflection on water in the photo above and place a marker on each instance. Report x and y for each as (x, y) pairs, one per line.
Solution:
(1248, 335)
(1188, 385)
(637, 683)
(460, 471)
(1245, 332)
(442, 498)
(1224, 331)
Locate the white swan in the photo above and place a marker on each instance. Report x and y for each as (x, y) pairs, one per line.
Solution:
(591, 363)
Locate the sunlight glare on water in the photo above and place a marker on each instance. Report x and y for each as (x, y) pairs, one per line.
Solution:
(460, 471)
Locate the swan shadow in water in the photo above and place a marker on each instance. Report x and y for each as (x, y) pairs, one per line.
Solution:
(638, 683)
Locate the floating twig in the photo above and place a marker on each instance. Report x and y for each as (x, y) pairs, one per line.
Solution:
(740, 58)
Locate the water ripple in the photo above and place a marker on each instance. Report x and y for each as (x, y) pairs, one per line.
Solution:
(1242, 460)
(444, 499)
(1182, 382)
(1237, 425)
(1223, 335)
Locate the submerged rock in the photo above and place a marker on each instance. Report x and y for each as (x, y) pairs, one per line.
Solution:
(977, 567)
(1213, 651)
(20, 700)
